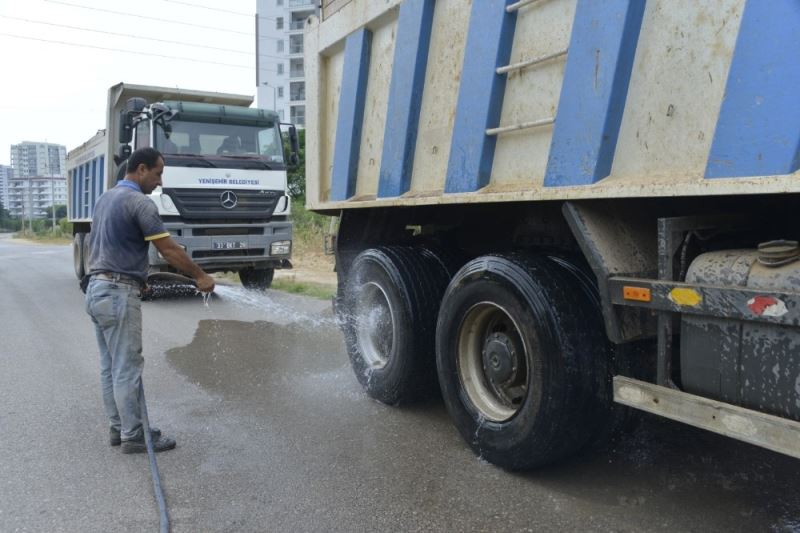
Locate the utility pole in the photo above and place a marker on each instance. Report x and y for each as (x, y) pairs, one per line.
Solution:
(52, 191)
(30, 204)
(274, 96)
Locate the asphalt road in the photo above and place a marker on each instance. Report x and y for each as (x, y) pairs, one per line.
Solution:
(274, 434)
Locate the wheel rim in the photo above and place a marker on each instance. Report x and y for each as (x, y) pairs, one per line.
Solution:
(374, 322)
(492, 361)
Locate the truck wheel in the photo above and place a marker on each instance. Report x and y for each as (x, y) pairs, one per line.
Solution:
(77, 255)
(388, 315)
(522, 360)
(257, 278)
(86, 242)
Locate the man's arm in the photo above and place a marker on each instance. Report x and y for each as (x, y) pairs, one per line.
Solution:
(178, 258)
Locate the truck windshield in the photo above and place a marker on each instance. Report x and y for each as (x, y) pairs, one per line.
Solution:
(214, 139)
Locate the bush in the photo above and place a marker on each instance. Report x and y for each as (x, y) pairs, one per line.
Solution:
(308, 228)
(65, 226)
(10, 224)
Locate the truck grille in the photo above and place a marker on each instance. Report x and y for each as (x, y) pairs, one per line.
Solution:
(207, 203)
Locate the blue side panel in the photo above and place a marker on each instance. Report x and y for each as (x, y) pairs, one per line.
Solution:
(100, 180)
(596, 78)
(405, 96)
(85, 190)
(93, 190)
(351, 114)
(480, 95)
(73, 178)
(79, 188)
(758, 130)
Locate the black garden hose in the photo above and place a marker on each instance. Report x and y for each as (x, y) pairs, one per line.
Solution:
(148, 440)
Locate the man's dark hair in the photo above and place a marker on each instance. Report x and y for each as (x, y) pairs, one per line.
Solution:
(147, 156)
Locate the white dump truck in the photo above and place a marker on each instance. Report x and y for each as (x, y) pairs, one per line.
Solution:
(550, 206)
(224, 188)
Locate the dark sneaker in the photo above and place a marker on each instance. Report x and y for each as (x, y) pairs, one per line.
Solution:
(161, 444)
(115, 440)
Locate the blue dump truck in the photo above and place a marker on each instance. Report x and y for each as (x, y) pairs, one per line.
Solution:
(554, 211)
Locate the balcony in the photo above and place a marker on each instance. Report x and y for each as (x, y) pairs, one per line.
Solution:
(297, 96)
(297, 73)
(297, 25)
(298, 5)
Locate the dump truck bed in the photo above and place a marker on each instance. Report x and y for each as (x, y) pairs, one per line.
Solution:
(618, 99)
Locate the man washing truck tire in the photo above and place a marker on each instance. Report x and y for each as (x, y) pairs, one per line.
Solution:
(125, 222)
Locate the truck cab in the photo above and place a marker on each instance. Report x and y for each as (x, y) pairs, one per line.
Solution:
(224, 189)
(224, 186)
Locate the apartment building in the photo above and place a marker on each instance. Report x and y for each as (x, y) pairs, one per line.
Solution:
(30, 196)
(38, 159)
(280, 72)
(38, 178)
(5, 175)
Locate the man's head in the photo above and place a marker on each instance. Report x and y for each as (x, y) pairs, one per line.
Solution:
(145, 167)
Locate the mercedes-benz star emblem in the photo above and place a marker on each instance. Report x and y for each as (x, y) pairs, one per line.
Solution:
(228, 199)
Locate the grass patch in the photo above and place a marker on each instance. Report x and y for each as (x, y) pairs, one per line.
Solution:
(43, 232)
(44, 238)
(315, 290)
(308, 229)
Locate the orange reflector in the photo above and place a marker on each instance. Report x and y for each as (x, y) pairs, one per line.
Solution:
(639, 294)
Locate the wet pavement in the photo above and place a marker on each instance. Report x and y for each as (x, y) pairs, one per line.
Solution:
(275, 434)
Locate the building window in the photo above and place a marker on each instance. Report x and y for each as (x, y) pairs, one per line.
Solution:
(278, 2)
(297, 91)
(280, 92)
(280, 68)
(279, 23)
(296, 43)
(298, 115)
(279, 46)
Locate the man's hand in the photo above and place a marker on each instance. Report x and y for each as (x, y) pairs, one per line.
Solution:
(176, 257)
(205, 283)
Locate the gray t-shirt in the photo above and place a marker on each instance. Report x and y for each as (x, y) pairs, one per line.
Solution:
(123, 224)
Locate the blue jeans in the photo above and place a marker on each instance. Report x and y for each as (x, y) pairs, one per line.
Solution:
(116, 312)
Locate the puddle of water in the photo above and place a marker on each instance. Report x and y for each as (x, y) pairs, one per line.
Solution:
(244, 358)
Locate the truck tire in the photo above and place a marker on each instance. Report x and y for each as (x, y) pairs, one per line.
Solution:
(388, 315)
(77, 255)
(257, 278)
(522, 359)
(85, 260)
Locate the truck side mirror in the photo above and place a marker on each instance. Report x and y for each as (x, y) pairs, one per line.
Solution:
(135, 105)
(125, 127)
(124, 154)
(294, 145)
(293, 142)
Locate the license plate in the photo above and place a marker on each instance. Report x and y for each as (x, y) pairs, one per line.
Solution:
(228, 245)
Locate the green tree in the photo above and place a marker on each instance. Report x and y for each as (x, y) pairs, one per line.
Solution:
(61, 212)
(296, 176)
(7, 222)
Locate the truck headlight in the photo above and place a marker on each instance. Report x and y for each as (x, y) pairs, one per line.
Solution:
(280, 248)
(283, 203)
(167, 203)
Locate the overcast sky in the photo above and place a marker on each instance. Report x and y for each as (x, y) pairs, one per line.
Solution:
(56, 92)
